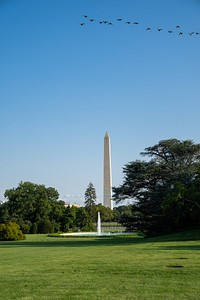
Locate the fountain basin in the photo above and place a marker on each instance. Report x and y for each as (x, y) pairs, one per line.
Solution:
(85, 234)
(88, 234)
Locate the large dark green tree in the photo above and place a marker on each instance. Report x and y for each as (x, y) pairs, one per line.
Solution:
(34, 207)
(165, 189)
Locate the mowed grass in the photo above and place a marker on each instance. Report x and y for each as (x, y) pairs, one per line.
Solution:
(42, 267)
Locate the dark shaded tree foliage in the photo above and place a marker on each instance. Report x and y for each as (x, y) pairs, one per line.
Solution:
(122, 214)
(84, 220)
(107, 214)
(78, 219)
(165, 189)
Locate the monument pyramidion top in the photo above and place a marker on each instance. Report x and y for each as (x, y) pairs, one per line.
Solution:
(106, 135)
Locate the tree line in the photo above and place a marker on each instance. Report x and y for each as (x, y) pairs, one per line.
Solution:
(37, 209)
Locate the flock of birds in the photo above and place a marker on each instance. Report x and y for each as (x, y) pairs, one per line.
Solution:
(136, 23)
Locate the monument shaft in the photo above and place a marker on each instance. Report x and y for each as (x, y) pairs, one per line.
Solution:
(107, 197)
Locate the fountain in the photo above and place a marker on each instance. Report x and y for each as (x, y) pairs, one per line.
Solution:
(97, 233)
(99, 224)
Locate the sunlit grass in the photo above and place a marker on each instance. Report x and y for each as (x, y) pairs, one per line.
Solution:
(44, 267)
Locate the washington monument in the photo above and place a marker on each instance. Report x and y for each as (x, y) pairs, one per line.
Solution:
(107, 187)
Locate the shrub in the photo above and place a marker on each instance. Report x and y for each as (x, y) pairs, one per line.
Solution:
(10, 232)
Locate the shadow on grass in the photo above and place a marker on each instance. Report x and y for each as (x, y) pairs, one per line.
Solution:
(181, 247)
(75, 242)
(44, 241)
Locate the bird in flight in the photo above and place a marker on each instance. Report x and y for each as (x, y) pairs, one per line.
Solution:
(159, 29)
(148, 29)
(91, 20)
(177, 26)
(82, 24)
(180, 33)
(128, 22)
(109, 23)
(119, 19)
(170, 31)
(85, 16)
(135, 23)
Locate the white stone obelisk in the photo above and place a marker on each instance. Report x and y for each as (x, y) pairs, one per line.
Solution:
(107, 187)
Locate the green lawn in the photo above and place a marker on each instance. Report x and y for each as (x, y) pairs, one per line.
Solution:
(44, 267)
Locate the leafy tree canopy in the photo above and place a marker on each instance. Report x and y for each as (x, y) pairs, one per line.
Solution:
(165, 189)
(34, 207)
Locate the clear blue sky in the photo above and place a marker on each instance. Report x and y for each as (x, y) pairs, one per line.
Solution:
(62, 86)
